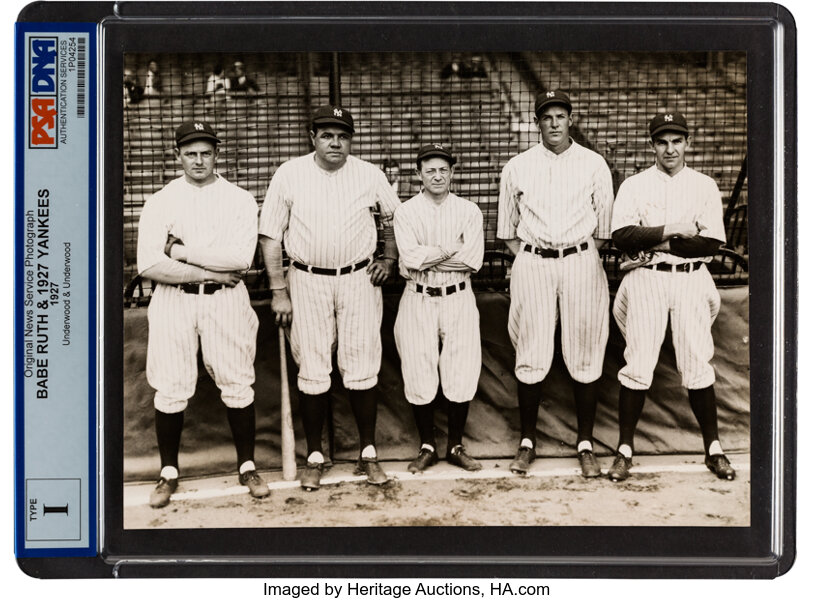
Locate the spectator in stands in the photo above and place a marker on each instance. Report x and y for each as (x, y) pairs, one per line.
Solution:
(218, 83)
(152, 83)
(478, 68)
(392, 170)
(457, 67)
(464, 69)
(242, 82)
(133, 93)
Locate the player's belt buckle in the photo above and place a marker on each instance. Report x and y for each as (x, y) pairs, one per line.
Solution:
(680, 268)
(440, 291)
(326, 271)
(200, 288)
(555, 252)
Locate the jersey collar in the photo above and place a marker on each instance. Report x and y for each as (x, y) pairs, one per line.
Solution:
(667, 177)
(433, 204)
(553, 155)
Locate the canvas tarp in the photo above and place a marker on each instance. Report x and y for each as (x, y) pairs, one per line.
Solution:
(666, 426)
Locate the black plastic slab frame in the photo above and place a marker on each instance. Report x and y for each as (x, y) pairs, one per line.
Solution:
(765, 31)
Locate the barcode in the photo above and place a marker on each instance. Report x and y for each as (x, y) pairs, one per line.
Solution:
(80, 78)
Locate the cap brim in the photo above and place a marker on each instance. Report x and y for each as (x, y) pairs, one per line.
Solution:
(452, 160)
(552, 102)
(669, 127)
(331, 121)
(197, 136)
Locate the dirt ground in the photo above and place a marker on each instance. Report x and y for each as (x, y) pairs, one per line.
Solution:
(662, 491)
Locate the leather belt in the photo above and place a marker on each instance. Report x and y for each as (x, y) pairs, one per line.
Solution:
(555, 253)
(681, 268)
(440, 291)
(334, 272)
(200, 288)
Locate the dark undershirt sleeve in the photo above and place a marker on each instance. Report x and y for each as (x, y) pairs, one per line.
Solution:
(694, 247)
(634, 238)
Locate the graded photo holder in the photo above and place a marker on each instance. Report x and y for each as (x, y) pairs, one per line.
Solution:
(310, 285)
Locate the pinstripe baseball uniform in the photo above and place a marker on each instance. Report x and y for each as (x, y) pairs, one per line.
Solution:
(451, 318)
(558, 202)
(649, 297)
(218, 226)
(325, 221)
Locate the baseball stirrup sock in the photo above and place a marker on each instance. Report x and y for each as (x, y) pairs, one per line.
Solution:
(168, 428)
(313, 409)
(365, 406)
(704, 407)
(457, 414)
(425, 421)
(529, 395)
(630, 407)
(585, 396)
(243, 426)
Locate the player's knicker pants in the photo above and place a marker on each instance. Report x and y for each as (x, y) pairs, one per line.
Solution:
(573, 288)
(335, 311)
(646, 300)
(423, 324)
(226, 325)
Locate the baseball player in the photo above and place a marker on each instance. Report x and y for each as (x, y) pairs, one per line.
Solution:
(554, 213)
(674, 215)
(196, 238)
(321, 206)
(440, 243)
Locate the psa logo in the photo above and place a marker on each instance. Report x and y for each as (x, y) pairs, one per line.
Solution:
(42, 109)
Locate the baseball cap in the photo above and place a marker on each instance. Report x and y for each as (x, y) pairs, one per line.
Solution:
(333, 115)
(544, 99)
(668, 122)
(431, 150)
(194, 130)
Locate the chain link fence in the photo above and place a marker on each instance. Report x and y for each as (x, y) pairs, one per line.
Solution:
(479, 104)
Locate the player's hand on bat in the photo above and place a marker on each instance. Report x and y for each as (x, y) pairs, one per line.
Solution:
(381, 269)
(682, 230)
(282, 307)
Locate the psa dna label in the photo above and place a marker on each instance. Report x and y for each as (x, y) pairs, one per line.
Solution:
(55, 341)
(42, 79)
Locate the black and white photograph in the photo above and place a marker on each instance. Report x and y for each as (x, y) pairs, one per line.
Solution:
(417, 289)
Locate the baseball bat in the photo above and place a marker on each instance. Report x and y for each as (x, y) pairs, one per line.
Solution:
(286, 422)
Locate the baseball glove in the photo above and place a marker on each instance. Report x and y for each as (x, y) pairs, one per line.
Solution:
(639, 259)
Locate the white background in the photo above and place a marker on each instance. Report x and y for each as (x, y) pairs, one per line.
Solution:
(789, 586)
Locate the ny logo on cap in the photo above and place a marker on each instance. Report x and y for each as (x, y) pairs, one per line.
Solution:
(550, 94)
(337, 112)
(438, 146)
(667, 118)
(198, 126)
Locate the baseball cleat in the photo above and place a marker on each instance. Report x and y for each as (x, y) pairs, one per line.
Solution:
(719, 465)
(256, 486)
(162, 492)
(522, 462)
(370, 467)
(311, 476)
(620, 469)
(589, 464)
(457, 456)
(425, 459)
